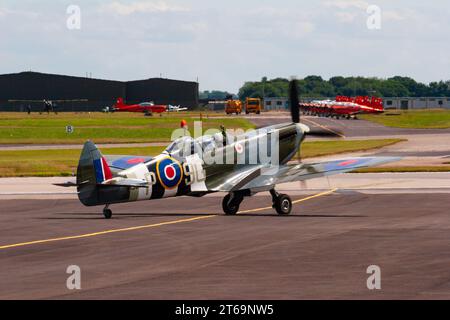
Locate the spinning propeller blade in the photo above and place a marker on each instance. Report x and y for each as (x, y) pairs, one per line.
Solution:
(294, 101)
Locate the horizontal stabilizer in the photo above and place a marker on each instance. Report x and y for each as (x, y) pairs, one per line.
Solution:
(123, 182)
(66, 185)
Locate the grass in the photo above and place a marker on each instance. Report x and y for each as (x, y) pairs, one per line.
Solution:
(323, 148)
(102, 128)
(417, 119)
(63, 162)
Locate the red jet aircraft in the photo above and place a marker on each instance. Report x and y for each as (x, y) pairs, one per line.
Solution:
(145, 107)
(343, 107)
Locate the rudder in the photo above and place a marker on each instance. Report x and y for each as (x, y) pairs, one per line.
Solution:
(92, 171)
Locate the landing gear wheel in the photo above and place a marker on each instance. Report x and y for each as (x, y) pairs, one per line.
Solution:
(282, 203)
(230, 204)
(107, 213)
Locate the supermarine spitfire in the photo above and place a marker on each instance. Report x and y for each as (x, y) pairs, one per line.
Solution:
(240, 166)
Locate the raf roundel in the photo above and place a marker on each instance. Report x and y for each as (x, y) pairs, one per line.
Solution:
(169, 173)
(239, 148)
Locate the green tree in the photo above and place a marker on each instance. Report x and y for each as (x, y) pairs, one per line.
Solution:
(316, 86)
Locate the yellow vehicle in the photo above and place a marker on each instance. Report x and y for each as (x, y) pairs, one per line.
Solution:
(233, 106)
(253, 105)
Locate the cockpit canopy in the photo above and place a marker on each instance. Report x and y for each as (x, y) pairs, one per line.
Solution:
(147, 104)
(186, 146)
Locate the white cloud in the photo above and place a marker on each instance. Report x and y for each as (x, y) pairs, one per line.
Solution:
(143, 7)
(346, 4)
(394, 15)
(346, 17)
(271, 23)
(8, 13)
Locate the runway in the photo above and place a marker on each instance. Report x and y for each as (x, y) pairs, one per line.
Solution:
(188, 250)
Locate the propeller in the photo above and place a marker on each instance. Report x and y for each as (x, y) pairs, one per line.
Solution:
(295, 110)
(295, 114)
(294, 101)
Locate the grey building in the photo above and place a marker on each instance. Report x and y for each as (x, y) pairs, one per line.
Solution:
(14, 88)
(407, 103)
(276, 104)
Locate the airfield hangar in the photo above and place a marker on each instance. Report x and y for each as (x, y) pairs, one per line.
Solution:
(87, 94)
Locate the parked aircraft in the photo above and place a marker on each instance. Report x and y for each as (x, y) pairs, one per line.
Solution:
(345, 107)
(144, 107)
(171, 108)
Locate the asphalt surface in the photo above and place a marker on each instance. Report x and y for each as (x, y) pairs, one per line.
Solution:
(186, 249)
(347, 128)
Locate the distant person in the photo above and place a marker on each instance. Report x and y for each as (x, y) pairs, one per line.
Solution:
(29, 109)
(48, 106)
(224, 135)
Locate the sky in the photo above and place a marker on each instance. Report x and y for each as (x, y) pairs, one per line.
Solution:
(224, 44)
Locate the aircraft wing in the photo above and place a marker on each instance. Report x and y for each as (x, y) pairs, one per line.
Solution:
(120, 163)
(235, 180)
(290, 173)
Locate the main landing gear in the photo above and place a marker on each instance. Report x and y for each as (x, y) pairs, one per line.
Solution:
(107, 212)
(231, 203)
(282, 203)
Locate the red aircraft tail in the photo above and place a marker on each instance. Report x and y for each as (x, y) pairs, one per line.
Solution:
(119, 102)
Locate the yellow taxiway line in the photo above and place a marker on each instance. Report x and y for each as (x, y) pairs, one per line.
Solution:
(293, 202)
(101, 233)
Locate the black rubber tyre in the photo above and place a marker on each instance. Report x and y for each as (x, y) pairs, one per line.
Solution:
(283, 204)
(107, 213)
(231, 208)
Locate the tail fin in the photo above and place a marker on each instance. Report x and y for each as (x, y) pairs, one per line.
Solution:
(92, 171)
(92, 167)
(119, 102)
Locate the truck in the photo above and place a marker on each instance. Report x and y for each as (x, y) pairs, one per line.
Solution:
(233, 106)
(253, 105)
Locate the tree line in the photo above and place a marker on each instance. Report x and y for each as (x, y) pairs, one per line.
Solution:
(315, 86)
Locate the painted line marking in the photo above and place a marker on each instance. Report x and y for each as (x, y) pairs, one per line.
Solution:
(101, 233)
(325, 128)
(89, 235)
(293, 202)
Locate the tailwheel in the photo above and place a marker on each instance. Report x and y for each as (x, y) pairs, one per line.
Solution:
(107, 212)
(282, 203)
(231, 203)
